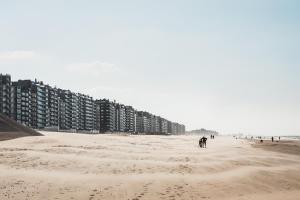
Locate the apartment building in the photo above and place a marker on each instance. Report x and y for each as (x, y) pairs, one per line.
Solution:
(21, 102)
(53, 108)
(163, 126)
(130, 119)
(87, 113)
(65, 109)
(140, 122)
(37, 105)
(105, 116)
(5, 94)
(120, 120)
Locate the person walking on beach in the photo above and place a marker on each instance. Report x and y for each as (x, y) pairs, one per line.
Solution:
(272, 139)
(200, 143)
(204, 141)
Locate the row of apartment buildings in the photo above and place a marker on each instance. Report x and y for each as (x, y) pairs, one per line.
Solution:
(41, 106)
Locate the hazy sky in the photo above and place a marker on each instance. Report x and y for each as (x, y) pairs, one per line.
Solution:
(227, 65)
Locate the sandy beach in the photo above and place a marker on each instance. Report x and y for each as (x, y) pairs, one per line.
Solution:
(80, 166)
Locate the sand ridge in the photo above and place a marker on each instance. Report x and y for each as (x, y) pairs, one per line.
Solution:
(79, 166)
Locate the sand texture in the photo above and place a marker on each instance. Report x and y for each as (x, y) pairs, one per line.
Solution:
(283, 146)
(79, 166)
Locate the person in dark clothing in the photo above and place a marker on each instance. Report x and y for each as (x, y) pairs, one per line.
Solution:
(204, 141)
(200, 143)
(272, 139)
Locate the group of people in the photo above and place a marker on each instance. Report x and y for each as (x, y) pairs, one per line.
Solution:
(202, 141)
(261, 138)
(272, 138)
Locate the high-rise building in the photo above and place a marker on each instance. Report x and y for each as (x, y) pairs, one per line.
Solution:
(29, 102)
(152, 123)
(65, 109)
(157, 125)
(106, 115)
(169, 127)
(163, 126)
(97, 115)
(147, 122)
(21, 102)
(130, 117)
(120, 121)
(37, 105)
(53, 107)
(87, 115)
(143, 122)
(74, 100)
(68, 110)
(5, 94)
(140, 122)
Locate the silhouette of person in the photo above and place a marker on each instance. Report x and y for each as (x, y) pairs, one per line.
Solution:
(272, 139)
(279, 138)
(204, 141)
(200, 143)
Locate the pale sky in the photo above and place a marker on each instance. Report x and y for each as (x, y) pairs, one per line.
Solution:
(226, 65)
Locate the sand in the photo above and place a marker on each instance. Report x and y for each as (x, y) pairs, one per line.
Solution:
(78, 166)
(283, 146)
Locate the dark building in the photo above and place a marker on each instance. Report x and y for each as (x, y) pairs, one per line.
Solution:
(157, 127)
(74, 99)
(130, 119)
(152, 124)
(5, 94)
(97, 115)
(140, 122)
(40, 106)
(169, 127)
(53, 108)
(21, 102)
(143, 122)
(65, 109)
(147, 122)
(87, 115)
(106, 115)
(120, 121)
(68, 110)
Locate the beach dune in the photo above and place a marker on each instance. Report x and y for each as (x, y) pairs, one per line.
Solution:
(81, 166)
